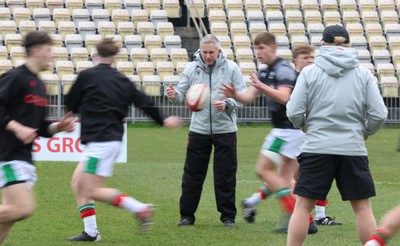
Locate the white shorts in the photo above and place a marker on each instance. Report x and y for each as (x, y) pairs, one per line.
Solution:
(287, 142)
(99, 157)
(17, 172)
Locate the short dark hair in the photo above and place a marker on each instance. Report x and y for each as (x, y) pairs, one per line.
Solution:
(302, 49)
(107, 47)
(35, 38)
(266, 38)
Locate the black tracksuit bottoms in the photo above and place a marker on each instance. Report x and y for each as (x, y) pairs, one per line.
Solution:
(198, 153)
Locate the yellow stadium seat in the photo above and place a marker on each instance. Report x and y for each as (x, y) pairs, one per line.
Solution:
(369, 66)
(91, 41)
(79, 54)
(139, 55)
(255, 29)
(364, 56)
(3, 53)
(235, 16)
(136, 81)
(241, 42)
(219, 29)
(331, 18)
(165, 29)
(217, 15)
(12, 40)
(122, 55)
(389, 17)
(180, 67)
(52, 83)
(152, 41)
(285, 54)
(315, 30)
(394, 43)
(125, 28)
(392, 30)
(385, 70)
(26, 26)
(150, 5)
(293, 16)
(247, 68)
(99, 15)
(385, 5)
(380, 56)
(105, 28)
(355, 29)
(178, 55)
(214, 5)
(390, 86)
(374, 29)
(83, 65)
(145, 28)
(289, 5)
(158, 55)
(110, 5)
(234, 5)
(5, 14)
(244, 55)
(65, 28)
(67, 81)
(61, 15)
(252, 5)
(8, 27)
(296, 29)
(17, 53)
(60, 54)
(366, 5)
(158, 16)
(299, 40)
(278, 29)
(119, 15)
(377, 43)
(312, 17)
(64, 67)
(47, 26)
(350, 17)
(309, 5)
(369, 17)
(139, 15)
(329, 5)
(272, 5)
(283, 42)
(255, 17)
(347, 5)
(20, 14)
(229, 54)
(54, 4)
(172, 7)
(225, 42)
(238, 29)
(171, 80)
(152, 85)
(197, 8)
(359, 42)
(125, 67)
(73, 4)
(145, 68)
(13, 4)
(165, 68)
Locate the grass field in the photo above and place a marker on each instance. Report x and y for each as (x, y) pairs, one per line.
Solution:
(153, 174)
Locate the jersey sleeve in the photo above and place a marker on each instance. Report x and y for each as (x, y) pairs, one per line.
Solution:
(286, 76)
(73, 98)
(9, 90)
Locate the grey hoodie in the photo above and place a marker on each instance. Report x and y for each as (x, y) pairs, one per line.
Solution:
(210, 120)
(336, 102)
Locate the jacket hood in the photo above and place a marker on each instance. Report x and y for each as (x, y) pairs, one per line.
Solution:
(336, 60)
(220, 60)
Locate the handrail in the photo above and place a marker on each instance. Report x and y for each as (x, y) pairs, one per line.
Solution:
(203, 27)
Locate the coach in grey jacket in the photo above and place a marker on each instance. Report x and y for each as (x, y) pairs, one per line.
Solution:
(338, 105)
(215, 126)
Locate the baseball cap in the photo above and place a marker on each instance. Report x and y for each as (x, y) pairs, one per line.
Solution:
(335, 31)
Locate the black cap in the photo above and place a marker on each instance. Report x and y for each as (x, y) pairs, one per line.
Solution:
(335, 31)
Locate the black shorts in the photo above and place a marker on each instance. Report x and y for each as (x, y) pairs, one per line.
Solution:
(317, 172)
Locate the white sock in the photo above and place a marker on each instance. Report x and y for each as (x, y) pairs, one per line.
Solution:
(90, 225)
(132, 205)
(254, 200)
(319, 212)
(372, 243)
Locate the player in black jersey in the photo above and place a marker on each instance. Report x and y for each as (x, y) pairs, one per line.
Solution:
(22, 119)
(284, 142)
(102, 96)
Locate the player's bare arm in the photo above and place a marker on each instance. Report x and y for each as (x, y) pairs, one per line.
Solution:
(243, 97)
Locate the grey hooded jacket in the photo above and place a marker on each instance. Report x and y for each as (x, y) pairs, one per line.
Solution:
(336, 101)
(210, 120)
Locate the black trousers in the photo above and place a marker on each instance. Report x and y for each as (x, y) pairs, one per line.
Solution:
(196, 165)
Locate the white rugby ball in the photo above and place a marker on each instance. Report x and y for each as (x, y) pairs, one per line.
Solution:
(197, 97)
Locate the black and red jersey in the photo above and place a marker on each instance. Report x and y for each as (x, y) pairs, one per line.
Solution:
(102, 96)
(23, 99)
(278, 74)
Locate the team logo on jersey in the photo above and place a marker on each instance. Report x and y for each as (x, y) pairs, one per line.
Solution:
(32, 83)
(271, 75)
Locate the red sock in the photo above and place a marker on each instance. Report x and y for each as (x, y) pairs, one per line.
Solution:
(117, 199)
(310, 219)
(321, 203)
(379, 236)
(87, 210)
(287, 203)
(263, 195)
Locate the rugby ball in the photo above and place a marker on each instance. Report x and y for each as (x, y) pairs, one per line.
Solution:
(197, 97)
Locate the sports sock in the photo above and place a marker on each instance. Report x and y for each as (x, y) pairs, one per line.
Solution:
(261, 194)
(320, 212)
(378, 238)
(88, 215)
(127, 203)
(310, 219)
(286, 199)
